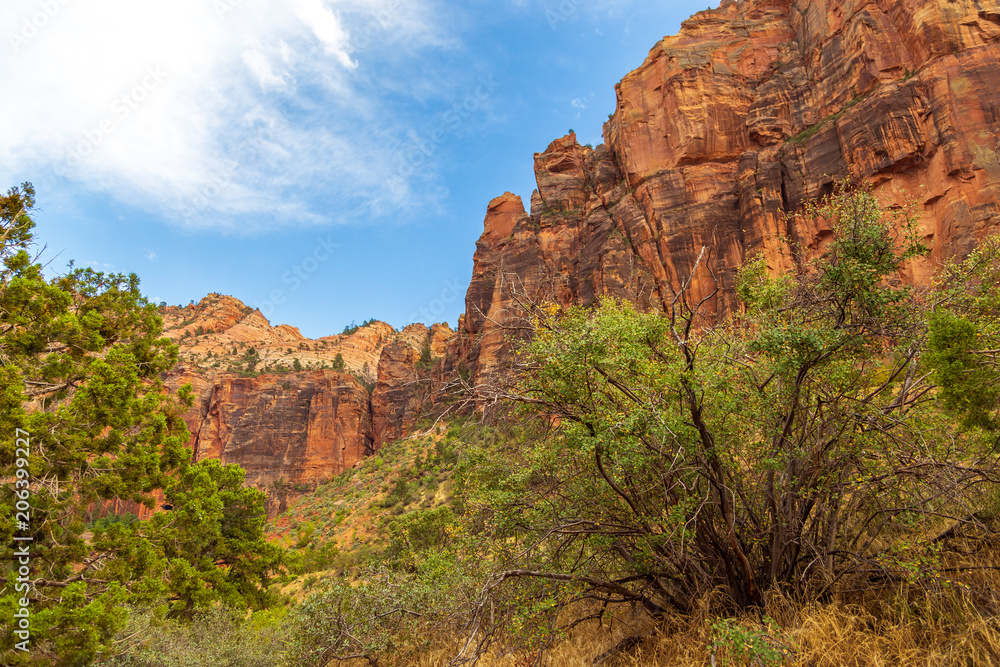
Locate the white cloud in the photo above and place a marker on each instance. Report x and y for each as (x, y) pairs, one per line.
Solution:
(212, 110)
(100, 266)
(580, 103)
(150, 255)
(259, 64)
(326, 26)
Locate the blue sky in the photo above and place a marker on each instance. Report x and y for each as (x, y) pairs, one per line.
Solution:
(325, 160)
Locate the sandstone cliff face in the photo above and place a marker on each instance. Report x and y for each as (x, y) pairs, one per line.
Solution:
(394, 401)
(294, 428)
(727, 129)
(567, 249)
(289, 428)
(218, 333)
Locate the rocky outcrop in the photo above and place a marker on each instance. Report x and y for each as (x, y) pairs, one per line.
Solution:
(395, 401)
(220, 334)
(286, 428)
(567, 250)
(726, 130)
(291, 410)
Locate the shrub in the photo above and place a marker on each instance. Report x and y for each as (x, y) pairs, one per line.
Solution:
(780, 450)
(215, 637)
(338, 362)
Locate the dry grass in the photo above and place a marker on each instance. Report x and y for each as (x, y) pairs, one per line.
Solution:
(941, 623)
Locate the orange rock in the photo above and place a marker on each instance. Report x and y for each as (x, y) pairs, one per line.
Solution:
(295, 428)
(726, 130)
(395, 400)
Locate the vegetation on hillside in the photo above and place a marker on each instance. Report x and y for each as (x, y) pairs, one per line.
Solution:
(811, 482)
(834, 439)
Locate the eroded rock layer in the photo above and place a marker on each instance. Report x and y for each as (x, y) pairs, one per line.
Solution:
(286, 428)
(291, 410)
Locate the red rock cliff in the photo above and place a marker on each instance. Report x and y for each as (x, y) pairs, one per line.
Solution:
(293, 428)
(722, 134)
(288, 409)
(727, 129)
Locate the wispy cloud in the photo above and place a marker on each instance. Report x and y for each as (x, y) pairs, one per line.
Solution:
(581, 103)
(100, 266)
(253, 106)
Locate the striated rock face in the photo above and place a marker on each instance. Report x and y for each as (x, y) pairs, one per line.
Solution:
(297, 428)
(280, 405)
(727, 129)
(395, 402)
(568, 249)
(217, 334)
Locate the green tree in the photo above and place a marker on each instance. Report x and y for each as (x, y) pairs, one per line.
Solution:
(82, 354)
(426, 356)
(964, 336)
(785, 448)
(251, 359)
(338, 362)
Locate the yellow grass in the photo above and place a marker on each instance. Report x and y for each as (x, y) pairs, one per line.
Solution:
(945, 620)
(927, 625)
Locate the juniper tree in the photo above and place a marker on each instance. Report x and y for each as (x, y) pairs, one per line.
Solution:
(82, 354)
(807, 439)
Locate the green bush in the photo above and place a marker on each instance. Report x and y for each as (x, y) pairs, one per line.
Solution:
(338, 362)
(215, 637)
(757, 454)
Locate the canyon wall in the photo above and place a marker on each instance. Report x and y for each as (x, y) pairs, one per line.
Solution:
(717, 140)
(726, 130)
(291, 410)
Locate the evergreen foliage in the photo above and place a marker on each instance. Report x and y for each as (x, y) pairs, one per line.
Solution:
(82, 354)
